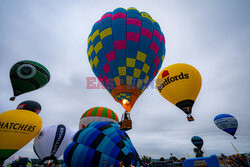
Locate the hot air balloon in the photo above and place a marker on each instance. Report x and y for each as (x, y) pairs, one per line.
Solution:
(17, 128)
(51, 141)
(27, 76)
(30, 105)
(197, 141)
(97, 114)
(227, 123)
(101, 144)
(125, 50)
(180, 84)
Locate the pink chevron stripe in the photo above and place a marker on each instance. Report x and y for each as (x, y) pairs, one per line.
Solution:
(162, 37)
(157, 34)
(154, 47)
(133, 36)
(100, 78)
(156, 60)
(106, 68)
(154, 73)
(146, 33)
(134, 21)
(105, 16)
(118, 16)
(111, 56)
(122, 44)
(106, 80)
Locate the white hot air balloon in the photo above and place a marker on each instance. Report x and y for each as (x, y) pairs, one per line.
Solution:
(51, 141)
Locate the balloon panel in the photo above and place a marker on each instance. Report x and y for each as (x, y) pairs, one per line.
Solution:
(179, 82)
(100, 143)
(97, 114)
(52, 140)
(227, 123)
(27, 75)
(17, 128)
(125, 50)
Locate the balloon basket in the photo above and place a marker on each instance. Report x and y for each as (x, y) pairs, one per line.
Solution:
(190, 118)
(126, 125)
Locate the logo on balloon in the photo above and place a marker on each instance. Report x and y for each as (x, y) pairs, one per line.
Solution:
(165, 73)
(26, 71)
(169, 79)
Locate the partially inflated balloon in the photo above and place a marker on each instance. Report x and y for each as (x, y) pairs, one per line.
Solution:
(17, 128)
(197, 141)
(101, 144)
(30, 105)
(227, 123)
(125, 50)
(180, 84)
(97, 114)
(50, 143)
(22, 162)
(27, 76)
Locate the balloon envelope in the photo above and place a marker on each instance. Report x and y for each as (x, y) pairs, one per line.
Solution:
(17, 128)
(180, 84)
(27, 76)
(125, 50)
(197, 141)
(30, 105)
(101, 143)
(50, 143)
(97, 114)
(227, 123)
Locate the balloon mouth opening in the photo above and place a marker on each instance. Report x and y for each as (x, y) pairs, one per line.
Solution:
(126, 105)
(126, 95)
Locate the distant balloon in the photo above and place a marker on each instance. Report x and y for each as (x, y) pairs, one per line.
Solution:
(126, 49)
(50, 143)
(17, 128)
(227, 123)
(27, 76)
(30, 105)
(180, 84)
(197, 141)
(97, 114)
(101, 143)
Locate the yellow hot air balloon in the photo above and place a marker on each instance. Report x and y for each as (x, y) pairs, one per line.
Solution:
(180, 84)
(17, 128)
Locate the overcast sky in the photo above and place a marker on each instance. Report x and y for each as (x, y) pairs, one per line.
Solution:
(213, 36)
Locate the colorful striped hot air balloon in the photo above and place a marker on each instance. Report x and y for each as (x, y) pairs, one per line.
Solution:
(101, 144)
(27, 76)
(97, 114)
(197, 141)
(125, 50)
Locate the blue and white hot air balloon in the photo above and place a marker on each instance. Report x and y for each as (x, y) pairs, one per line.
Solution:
(227, 123)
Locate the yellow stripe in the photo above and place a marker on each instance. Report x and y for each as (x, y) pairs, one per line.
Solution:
(91, 64)
(145, 68)
(95, 34)
(137, 73)
(129, 80)
(117, 81)
(98, 47)
(139, 82)
(141, 56)
(106, 32)
(89, 39)
(130, 62)
(146, 79)
(90, 50)
(122, 71)
(96, 61)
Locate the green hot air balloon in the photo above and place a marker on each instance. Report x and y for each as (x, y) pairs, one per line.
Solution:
(26, 76)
